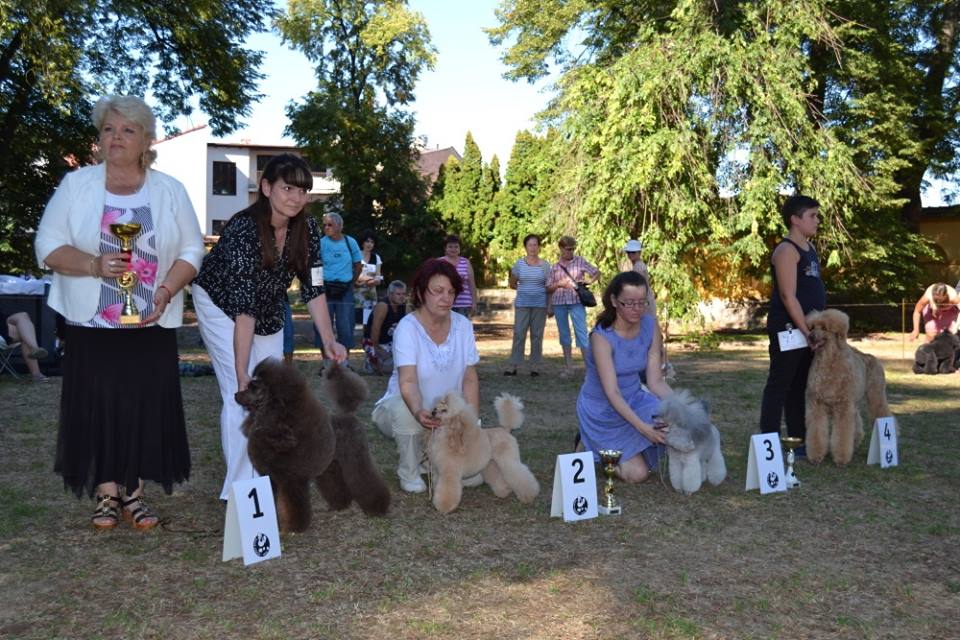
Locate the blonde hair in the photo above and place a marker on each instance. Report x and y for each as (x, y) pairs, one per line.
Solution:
(136, 111)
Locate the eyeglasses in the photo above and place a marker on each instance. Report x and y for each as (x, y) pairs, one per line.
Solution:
(632, 304)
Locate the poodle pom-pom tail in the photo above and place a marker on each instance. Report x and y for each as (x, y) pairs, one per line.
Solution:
(509, 411)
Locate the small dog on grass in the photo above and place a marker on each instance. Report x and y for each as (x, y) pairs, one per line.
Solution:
(291, 439)
(693, 443)
(459, 448)
(940, 355)
(840, 379)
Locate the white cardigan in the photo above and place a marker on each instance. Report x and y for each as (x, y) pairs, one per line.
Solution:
(72, 217)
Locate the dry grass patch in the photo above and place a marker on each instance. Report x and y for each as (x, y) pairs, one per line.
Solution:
(855, 553)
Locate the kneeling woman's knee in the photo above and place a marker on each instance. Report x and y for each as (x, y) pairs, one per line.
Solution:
(634, 471)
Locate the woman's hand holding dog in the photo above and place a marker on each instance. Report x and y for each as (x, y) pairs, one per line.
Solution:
(426, 419)
(657, 433)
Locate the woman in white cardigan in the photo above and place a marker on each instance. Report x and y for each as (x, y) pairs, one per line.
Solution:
(121, 412)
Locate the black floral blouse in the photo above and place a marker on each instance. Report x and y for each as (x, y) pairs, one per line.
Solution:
(231, 274)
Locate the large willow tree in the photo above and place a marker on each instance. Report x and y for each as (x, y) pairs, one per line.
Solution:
(683, 123)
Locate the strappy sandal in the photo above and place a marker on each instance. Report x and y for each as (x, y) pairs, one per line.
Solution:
(107, 512)
(140, 517)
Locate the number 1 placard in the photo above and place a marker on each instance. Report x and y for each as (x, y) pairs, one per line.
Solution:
(765, 464)
(883, 443)
(250, 529)
(574, 487)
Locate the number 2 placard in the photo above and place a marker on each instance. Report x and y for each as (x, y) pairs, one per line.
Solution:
(574, 487)
(765, 464)
(250, 529)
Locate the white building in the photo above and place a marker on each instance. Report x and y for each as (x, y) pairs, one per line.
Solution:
(221, 177)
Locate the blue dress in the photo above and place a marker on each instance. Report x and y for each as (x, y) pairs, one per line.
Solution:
(601, 427)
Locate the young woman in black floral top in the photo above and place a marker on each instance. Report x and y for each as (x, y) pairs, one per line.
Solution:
(241, 288)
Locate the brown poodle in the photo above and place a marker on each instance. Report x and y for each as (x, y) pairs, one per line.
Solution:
(352, 475)
(292, 439)
(289, 437)
(840, 379)
(459, 448)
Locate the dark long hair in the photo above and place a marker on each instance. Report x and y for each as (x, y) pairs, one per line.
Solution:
(296, 172)
(613, 290)
(430, 268)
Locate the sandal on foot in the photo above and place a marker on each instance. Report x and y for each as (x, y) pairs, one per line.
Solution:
(140, 517)
(107, 513)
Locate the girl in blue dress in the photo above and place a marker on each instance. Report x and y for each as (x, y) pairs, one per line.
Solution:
(614, 410)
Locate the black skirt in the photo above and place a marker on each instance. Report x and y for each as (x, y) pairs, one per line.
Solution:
(121, 412)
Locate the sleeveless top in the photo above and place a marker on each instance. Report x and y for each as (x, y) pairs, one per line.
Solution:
(389, 323)
(465, 297)
(811, 292)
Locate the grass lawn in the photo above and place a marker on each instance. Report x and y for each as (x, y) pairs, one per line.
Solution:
(855, 553)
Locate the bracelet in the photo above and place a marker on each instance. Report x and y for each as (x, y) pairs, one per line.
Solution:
(93, 272)
(169, 292)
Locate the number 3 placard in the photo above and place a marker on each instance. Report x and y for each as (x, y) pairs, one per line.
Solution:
(250, 529)
(765, 464)
(574, 487)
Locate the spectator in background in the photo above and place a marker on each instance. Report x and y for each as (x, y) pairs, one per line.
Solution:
(378, 332)
(369, 278)
(529, 277)
(937, 309)
(635, 263)
(18, 327)
(466, 302)
(569, 270)
(341, 266)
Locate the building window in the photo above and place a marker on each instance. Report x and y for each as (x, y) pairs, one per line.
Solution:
(224, 179)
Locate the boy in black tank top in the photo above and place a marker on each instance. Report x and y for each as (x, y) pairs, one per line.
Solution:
(797, 290)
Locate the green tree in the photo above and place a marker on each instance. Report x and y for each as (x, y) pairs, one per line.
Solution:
(368, 55)
(683, 121)
(461, 196)
(56, 56)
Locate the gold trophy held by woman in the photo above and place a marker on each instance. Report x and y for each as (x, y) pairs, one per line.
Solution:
(126, 232)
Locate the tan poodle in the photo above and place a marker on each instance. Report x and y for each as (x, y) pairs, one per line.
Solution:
(459, 448)
(840, 379)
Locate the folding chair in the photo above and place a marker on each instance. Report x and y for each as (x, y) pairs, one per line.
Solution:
(6, 352)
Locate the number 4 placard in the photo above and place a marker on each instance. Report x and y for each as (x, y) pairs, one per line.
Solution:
(250, 529)
(765, 464)
(883, 443)
(574, 487)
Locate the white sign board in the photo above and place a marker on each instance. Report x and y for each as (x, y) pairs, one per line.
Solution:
(791, 339)
(765, 464)
(250, 529)
(574, 487)
(883, 443)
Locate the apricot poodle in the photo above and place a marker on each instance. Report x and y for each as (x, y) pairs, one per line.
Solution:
(841, 379)
(460, 448)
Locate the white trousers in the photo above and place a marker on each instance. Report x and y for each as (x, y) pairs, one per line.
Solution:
(216, 329)
(394, 420)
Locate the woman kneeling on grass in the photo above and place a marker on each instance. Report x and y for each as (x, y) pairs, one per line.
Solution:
(615, 411)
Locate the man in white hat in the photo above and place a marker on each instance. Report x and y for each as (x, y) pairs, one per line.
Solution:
(632, 249)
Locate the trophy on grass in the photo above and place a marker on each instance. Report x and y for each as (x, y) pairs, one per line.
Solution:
(609, 505)
(790, 443)
(126, 232)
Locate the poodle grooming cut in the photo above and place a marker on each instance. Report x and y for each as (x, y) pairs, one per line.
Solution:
(693, 443)
(459, 448)
(352, 475)
(292, 439)
(841, 379)
(289, 438)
